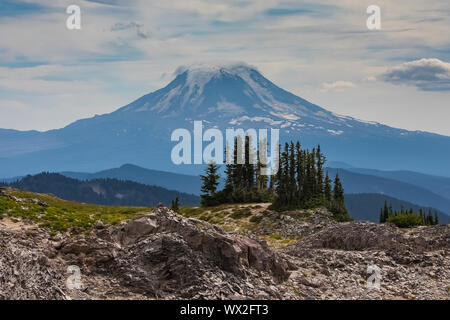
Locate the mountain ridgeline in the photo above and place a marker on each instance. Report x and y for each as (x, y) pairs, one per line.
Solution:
(172, 181)
(437, 185)
(102, 191)
(366, 206)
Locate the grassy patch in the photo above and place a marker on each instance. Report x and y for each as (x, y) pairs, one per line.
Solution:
(276, 236)
(276, 240)
(240, 213)
(215, 215)
(60, 215)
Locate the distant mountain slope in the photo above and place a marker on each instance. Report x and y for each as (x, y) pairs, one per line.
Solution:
(172, 181)
(363, 183)
(438, 185)
(9, 180)
(236, 96)
(366, 206)
(102, 191)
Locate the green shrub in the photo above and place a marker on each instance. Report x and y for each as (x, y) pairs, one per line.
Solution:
(276, 236)
(342, 217)
(405, 220)
(241, 213)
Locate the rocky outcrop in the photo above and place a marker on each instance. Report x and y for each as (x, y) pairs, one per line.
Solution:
(294, 224)
(333, 263)
(162, 255)
(159, 255)
(371, 236)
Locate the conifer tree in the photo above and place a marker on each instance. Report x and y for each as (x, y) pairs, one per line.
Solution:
(292, 184)
(238, 161)
(261, 179)
(385, 212)
(429, 217)
(327, 189)
(299, 172)
(210, 182)
(313, 173)
(308, 180)
(248, 167)
(176, 205)
(283, 179)
(274, 177)
(338, 206)
(228, 172)
(319, 174)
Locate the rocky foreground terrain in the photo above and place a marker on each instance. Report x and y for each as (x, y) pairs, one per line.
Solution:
(163, 255)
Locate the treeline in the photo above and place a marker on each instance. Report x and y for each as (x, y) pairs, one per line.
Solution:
(299, 183)
(407, 218)
(101, 191)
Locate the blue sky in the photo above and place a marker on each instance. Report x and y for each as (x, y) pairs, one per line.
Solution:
(399, 75)
(11, 8)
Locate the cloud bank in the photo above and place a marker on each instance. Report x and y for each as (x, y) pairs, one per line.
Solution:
(425, 74)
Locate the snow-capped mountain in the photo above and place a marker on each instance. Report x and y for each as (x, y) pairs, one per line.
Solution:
(235, 95)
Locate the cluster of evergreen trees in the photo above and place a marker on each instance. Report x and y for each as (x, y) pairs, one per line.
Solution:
(387, 214)
(299, 183)
(244, 182)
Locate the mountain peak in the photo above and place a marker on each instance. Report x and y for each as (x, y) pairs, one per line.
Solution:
(215, 68)
(231, 93)
(199, 74)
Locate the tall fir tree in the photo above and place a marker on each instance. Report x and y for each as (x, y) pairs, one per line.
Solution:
(299, 172)
(385, 212)
(307, 180)
(292, 183)
(275, 176)
(320, 161)
(338, 206)
(175, 205)
(261, 173)
(228, 170)
(210, 182)
(313, 173)
(282, 199)
(327, 189)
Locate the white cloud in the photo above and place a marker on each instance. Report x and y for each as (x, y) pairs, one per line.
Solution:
(425, 74)
(337, 85)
